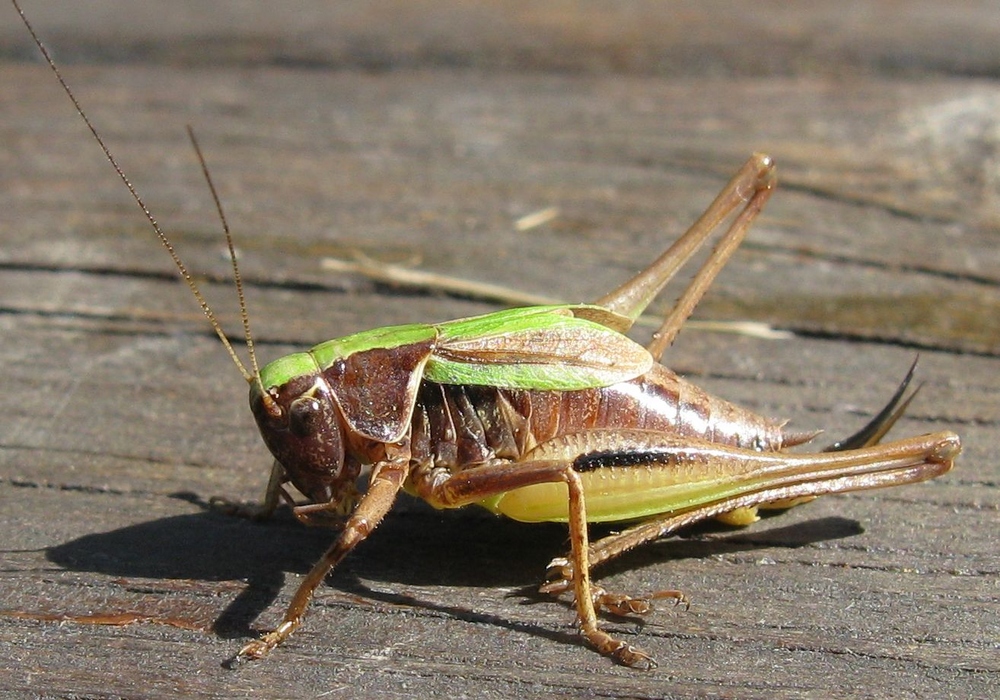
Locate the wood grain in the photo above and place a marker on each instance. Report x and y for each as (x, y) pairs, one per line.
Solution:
(418, 133)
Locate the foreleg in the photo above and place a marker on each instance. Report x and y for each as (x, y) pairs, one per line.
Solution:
(387, 478)
(273, 494)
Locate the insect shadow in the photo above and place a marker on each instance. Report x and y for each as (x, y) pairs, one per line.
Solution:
(425, 548)
(461, 549)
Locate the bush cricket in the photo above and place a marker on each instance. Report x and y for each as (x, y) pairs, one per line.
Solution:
(544, 413)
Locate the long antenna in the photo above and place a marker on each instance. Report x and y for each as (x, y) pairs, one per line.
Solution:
(237, 277)
(181, 268)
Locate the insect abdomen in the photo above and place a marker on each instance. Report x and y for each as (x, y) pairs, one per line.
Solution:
(460, 426)
(659, 401)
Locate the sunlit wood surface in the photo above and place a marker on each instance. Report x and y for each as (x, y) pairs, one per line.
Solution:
(418, 134)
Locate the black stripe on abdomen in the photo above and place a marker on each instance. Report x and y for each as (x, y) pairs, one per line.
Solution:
(607, 459)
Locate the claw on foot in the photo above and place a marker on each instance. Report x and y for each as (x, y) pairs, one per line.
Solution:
(624, 605)
(620, 651)
(677, 596)
(259, 648)
(559, 575)
(620, 604)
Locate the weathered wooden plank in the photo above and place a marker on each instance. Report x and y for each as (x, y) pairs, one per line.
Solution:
(124, 416)
(633, 36)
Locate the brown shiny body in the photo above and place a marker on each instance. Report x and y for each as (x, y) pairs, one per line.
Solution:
(454, 427)
(653, 448)
(457, 426)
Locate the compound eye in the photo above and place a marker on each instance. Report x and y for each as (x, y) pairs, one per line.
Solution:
(304, 415)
